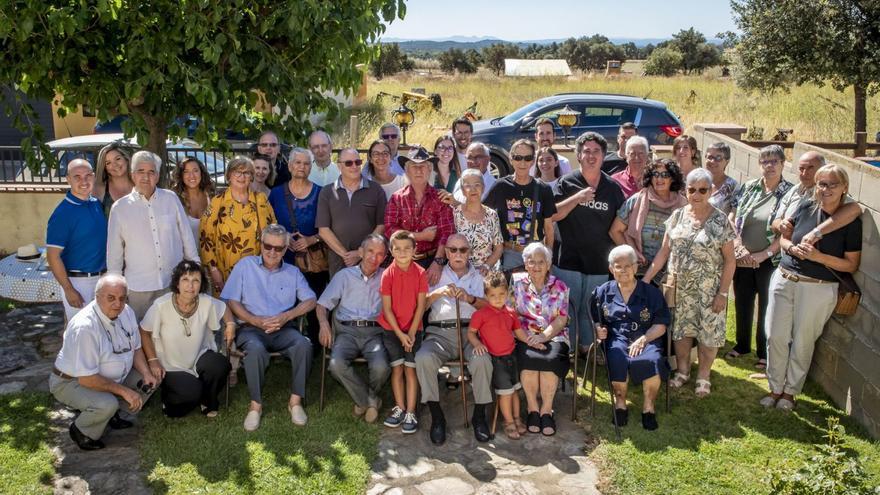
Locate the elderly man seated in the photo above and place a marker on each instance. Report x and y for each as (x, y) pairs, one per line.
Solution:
(458, 280)
(267, 295)
(94, 366)
(354, 293)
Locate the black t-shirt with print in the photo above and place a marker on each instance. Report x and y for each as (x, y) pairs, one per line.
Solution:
(517, 215)
(845, 239)
(584, 231)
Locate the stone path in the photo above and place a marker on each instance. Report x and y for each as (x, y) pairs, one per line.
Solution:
(30, 338)
(411, 464)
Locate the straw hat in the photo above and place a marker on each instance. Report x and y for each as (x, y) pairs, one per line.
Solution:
(28, 252)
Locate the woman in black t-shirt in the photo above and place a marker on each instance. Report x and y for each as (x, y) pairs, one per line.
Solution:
(803, 290)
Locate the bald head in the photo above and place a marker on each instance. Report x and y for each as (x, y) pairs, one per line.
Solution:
(808, 164)
(78, 163)
(111, 293)
(80, 178)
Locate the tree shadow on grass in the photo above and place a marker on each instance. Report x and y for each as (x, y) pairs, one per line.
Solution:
(24, 421)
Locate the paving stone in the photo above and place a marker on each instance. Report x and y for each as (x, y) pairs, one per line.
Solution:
(445, 486)
(12, 387)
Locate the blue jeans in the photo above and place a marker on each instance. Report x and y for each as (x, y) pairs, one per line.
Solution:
(580, 287)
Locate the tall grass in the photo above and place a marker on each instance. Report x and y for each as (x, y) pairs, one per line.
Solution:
(815, 113)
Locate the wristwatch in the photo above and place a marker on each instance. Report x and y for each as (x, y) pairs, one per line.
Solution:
(817, 233)
(441, 261)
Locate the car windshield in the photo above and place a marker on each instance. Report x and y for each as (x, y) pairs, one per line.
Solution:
(514, 117)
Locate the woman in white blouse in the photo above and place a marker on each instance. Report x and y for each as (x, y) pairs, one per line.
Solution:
(178, 340)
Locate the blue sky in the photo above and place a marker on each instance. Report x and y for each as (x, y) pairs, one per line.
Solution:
(516, 20)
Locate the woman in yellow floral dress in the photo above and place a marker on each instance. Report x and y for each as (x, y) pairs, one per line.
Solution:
(231, 226)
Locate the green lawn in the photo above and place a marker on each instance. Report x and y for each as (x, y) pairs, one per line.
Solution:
(723, 444)
(25, 459)
(195, 454)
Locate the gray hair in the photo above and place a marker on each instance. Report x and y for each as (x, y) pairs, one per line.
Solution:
(722, 147)
(637, 141)
(816, 157)
(772, 150)
(621, 251)
(697, 175)
(476, 144)
(146, 156)
(277, 231)
(320, 133)
(472, 172)
(388, 125)
(301, 151)
(374, 238)
(110, 279)
(458, 235)
(349, 149)
(535, 248)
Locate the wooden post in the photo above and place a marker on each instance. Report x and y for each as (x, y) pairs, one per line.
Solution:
(353, 130)
(861, 144)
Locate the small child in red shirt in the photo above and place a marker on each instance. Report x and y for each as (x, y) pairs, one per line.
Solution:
(496, 325)
(404, 288)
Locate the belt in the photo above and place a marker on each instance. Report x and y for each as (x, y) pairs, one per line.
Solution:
(421, 256)
(76, 273)
(514, 246)
(359, 323)
(448, 323)
(61, 374)
(802, 278)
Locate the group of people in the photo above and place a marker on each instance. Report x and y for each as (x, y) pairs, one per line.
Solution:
(513, 270)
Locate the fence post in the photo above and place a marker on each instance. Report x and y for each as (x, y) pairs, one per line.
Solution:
(353, 130)
(861, 144)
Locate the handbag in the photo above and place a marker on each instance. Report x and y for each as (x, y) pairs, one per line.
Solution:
(314, 259)
(848, 292)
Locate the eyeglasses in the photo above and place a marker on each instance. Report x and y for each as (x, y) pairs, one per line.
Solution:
(388, 136)
(268, 145)
(522, 158)
(185, 323)
(462, 249)
(774, 161)
(444, 148)
(661, 175)
(380, 154)
(351, 163)
(478, 185)
(714, 158)
(113, 341)
(701, 190)
(238, 174)
(828, 185)
(272, 247)
(475, 158)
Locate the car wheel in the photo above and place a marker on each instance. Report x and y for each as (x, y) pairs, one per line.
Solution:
(499, 166)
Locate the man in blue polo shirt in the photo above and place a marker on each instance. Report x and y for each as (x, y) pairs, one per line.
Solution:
(76, 239)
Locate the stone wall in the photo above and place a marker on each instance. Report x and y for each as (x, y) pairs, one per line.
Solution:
(24, 213)
(845, 362)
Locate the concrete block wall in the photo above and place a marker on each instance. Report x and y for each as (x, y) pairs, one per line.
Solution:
(847, 359)
(24, 213)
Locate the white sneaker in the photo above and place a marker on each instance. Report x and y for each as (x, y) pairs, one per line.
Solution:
(298, 415)
(252, 420)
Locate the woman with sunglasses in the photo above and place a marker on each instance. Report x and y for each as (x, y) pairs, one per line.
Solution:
(232, 225)
(178, 340)
(641, 221)
(194, 188)
(698, 244)
(112, 176)
(447, 169)
(379, 168)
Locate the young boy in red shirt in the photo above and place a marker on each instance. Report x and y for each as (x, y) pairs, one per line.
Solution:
(496, 325)
(404, 288)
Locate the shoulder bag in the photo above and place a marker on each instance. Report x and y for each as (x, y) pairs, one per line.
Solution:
(314, 259)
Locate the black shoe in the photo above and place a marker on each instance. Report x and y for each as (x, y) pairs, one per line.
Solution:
(438, 431)
(118, 423)
(533, 422)
(622, 416)
(547, 423)
(82, 441)
(649, 421)
(481, 431)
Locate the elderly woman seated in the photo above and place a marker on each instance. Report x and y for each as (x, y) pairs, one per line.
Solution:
(630, 317)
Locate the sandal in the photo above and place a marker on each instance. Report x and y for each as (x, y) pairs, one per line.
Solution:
(533, 422)
(704, 388)
(732, 354)
(520, 426)
(678, 380)
(761, 364)
(547, 423)
(510, 429)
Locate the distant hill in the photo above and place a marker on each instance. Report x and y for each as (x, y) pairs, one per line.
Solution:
(478, 43)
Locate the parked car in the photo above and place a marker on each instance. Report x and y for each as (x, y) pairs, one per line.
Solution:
(599, 112)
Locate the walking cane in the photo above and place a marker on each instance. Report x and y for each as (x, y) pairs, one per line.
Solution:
(461, 362)
(228, 360)
(574, 388)
(601, 347)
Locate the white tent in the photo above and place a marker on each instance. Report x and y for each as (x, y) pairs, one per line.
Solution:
(535, 68)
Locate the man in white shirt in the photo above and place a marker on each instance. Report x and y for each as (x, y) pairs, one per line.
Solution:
(94, 367)
(477, 158)
(148, 235)
(324, 171)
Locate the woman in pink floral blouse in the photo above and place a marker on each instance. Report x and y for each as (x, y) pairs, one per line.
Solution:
(541, 300)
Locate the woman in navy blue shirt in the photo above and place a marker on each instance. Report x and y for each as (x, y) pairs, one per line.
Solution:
(631, 317)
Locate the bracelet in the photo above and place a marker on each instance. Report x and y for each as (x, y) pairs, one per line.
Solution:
(722, 294)
(817, 233)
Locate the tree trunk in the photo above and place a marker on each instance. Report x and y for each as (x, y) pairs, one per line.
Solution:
(861, 119)
(156, 144)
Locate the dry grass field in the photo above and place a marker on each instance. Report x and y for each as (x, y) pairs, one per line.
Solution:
(815, 113)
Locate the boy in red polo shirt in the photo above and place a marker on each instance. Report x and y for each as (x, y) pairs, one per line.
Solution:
(404, 288)
(496, 325)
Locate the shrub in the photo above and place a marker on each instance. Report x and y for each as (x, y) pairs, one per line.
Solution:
(663, 61)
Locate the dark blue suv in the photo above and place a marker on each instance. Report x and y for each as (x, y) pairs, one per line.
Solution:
(599, 112)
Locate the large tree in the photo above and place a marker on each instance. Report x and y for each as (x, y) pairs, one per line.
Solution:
(697, 55)
(788, 42)
(216, 60)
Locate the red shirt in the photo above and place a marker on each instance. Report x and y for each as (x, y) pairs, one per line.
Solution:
(495, 327)
(403, 213)
(628, 184)
(404, 288)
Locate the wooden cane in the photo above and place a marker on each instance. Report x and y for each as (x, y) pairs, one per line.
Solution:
(461, 362)
(323, 372)
(574, 388)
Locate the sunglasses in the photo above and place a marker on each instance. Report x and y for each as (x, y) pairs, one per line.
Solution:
(522, 158)
(351, 163)
(701, 190)
(462, 250)
(388, 136)
(823, 185)
(272, 247)
(661, 175)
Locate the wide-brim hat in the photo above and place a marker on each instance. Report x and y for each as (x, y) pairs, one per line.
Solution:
(416, 155)
(27, 252)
